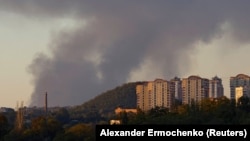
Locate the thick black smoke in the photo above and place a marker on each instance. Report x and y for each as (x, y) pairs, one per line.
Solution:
(118, 38)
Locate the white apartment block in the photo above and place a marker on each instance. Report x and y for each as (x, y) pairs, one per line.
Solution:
(240, 80)
(153, 94)
(194, 89)
(163, 93)
(241, 91)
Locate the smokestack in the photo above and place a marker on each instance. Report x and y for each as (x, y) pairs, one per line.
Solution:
(46, 103)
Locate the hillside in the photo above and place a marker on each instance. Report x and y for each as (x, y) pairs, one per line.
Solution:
(102, 106)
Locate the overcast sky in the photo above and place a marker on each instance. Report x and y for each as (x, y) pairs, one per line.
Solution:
(75, 50)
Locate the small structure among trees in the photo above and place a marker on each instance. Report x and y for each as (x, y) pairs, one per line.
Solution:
(118, 110)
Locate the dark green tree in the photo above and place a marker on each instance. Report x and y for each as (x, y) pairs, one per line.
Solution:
(78, 132)
(4, 126)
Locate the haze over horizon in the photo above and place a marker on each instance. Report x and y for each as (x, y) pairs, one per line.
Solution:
(75, 50)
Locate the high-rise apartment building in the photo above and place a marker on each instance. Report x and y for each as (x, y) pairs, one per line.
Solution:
(153, 94)
(238, 93)
(241, 91)
(194, 89)
(163, 93)
(216, 89)
(240, 80)
(176, 87)
(142, 96)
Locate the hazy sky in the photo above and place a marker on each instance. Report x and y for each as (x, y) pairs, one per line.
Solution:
(75, 50)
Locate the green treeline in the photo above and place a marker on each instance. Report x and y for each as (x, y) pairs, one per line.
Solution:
(46, 129)
(217, 111)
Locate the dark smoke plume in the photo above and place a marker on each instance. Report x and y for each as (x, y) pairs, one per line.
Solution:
(119, 37)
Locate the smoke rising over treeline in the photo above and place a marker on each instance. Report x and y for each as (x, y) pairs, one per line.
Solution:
(114, 42)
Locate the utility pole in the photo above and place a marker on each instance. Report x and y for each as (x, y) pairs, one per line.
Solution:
(46, 104)
(47, 138)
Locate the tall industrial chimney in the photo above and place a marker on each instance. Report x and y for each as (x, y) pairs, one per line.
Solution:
(46, 104)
